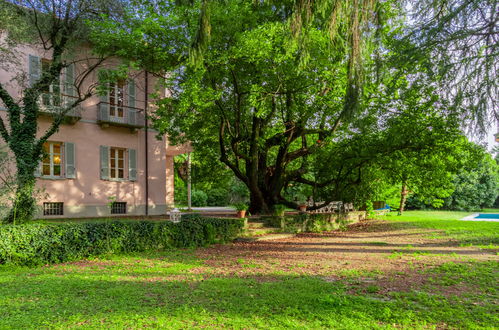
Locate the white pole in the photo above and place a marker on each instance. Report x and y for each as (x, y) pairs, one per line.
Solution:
(189, 202)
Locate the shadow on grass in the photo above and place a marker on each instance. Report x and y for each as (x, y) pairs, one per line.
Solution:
(93, 300)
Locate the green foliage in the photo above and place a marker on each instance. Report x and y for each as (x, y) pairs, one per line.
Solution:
(370, 209)
(475, 188)
(241, 207)
(199, 198)
(52, 243)
(218, 197)
(279, 209)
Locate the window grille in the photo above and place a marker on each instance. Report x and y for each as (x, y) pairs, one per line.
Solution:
(56, 208)
(118, 208)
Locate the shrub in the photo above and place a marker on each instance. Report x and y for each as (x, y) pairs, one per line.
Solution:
(34, 244)
(199, 198)
(218, 197)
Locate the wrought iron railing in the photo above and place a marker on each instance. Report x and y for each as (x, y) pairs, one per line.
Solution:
(55, 102)
(120, 115)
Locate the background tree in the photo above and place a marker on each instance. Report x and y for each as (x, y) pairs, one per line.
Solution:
(476, 187)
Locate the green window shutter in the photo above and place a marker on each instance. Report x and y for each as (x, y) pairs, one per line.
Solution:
(132, 164)
(132, 116)
(35, 69)
(69, 159)
(103, 107)
(69, 80)
(104, 162)
(103, 112)
(131, 93)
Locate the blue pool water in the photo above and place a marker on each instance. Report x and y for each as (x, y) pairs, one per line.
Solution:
(487, 216)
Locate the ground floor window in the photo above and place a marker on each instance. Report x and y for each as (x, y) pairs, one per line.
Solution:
(52, 208)
(52, 159)
(118, 208)
(117, 163)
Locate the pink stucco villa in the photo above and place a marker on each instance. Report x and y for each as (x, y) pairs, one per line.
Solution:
(103, 152)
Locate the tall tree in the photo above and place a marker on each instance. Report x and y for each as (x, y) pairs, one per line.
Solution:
(276, 81)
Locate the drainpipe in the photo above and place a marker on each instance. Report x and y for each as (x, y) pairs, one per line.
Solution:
(189, 193)
(146, 104)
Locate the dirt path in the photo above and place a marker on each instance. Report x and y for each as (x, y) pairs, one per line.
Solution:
(366, 249)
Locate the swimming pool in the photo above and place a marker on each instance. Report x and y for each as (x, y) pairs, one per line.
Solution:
(482, 217)
(487, 216)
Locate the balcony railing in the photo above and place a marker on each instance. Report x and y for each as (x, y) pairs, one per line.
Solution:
(120, 115)
(54, 103)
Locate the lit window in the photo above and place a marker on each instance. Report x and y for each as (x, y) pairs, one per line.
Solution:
(52, 160)
(116, 99)
(117, 163)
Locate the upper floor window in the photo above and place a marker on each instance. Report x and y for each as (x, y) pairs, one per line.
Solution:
(52, 160)
(117, 99)
(62, 87)
(51, 95)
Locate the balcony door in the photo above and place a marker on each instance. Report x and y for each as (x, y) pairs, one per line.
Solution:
(116, 101)
(51, 95)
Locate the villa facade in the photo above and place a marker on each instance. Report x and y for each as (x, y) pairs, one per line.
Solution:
(102, 162)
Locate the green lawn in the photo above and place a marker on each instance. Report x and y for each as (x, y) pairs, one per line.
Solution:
(478, 233)
(166, 289)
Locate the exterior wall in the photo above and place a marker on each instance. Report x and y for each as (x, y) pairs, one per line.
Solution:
(87, 195)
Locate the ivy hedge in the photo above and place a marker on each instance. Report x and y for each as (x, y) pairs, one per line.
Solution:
(35, 244)
(315, 222)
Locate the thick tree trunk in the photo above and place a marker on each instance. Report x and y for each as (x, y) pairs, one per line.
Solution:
(24, 205)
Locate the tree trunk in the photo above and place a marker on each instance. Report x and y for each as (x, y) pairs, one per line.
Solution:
(403, 196)
(24, 205)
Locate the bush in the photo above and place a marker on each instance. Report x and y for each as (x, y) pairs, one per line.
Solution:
(34, 244)
(199, 198)
(218, 197)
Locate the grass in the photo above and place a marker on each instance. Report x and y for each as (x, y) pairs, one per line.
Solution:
(177, 289)
(466, 233)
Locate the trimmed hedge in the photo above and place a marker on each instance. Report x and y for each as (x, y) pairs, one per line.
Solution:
(35, 244)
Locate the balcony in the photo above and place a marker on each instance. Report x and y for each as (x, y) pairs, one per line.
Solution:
(120, 115)
(54, 102)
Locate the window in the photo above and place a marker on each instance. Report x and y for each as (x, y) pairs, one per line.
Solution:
(52, 160)
(116, 99)
(51, 96)
(117, 163)
(118, 208)
(53, 208)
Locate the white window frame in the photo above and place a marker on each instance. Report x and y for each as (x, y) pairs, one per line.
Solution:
(115, 90)
(51, 93)
(116, 168)
(51, 160)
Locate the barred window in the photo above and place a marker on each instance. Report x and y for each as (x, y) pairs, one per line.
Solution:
(56, 208)
(118, 208)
